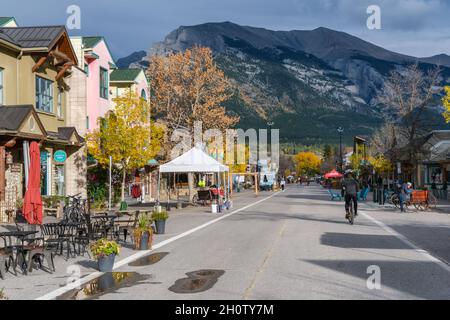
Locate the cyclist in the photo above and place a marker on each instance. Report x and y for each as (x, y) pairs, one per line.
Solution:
(350, 188)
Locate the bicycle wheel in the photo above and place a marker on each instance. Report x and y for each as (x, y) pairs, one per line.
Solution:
(395, 200)
(432, 201)
(351, 214)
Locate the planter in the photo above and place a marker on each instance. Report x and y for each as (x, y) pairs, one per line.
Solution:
(144, 241)
(214, 208)
(106, 263)
(160, 226)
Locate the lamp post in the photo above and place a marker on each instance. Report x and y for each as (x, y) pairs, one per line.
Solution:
(340, 130)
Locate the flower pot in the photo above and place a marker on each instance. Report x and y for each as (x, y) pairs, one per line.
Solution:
(144, 241)
(106, 263)
(160, 226)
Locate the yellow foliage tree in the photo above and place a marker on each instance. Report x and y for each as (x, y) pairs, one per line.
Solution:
(381, 164)
(127, 135)
(307, 163)
(446, 102)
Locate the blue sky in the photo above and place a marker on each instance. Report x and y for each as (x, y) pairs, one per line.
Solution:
(415, 27)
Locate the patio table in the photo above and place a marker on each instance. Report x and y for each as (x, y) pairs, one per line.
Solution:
(18, 250)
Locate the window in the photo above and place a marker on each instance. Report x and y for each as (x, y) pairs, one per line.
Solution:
(86, 69)
(1, 86)
(45, 173)
(59, 106)
(44, 94)
(87, 123)
(143, 94)
(104, 83)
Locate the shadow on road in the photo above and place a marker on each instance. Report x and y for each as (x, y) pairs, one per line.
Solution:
(352, 240)
(420, 279)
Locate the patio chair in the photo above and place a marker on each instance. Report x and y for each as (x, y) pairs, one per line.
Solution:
(129, 227)
(334, 195)
(6, 261)
(54, 237)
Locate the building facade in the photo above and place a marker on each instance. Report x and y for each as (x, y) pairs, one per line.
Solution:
(38, 73)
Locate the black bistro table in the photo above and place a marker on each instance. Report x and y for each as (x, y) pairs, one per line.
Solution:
(17, 248)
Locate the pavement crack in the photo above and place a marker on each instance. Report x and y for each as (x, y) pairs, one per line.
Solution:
(261, 268)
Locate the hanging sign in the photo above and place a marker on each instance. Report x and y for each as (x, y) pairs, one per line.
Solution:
(60, 156)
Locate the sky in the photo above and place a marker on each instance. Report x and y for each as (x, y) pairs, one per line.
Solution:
(414, 27)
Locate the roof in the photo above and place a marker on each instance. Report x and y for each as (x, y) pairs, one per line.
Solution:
(91, 42)
(5, 20)
(124, 75)
(32, 37)
(195, 160)
(13, 117)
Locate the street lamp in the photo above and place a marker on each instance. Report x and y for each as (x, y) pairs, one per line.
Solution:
(340, 130)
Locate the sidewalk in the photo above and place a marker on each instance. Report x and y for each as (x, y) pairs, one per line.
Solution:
(40, 282)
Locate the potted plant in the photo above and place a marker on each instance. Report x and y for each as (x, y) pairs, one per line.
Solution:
(143, 233)
(105, 252)
(160, 221)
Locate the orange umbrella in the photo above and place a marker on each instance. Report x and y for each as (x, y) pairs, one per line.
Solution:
(32, 204)
(333, 174)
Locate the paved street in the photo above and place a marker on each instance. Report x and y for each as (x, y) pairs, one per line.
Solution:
(297, 245)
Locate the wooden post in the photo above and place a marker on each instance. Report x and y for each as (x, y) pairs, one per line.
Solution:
(2, 173)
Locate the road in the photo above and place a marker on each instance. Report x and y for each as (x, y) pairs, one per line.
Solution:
(297, 245)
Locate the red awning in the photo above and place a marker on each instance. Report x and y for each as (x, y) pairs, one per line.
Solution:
(32, 204)
(333, 174)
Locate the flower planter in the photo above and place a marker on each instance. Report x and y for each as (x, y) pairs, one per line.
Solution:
(106, 263)
(144, 241)
(160, 226)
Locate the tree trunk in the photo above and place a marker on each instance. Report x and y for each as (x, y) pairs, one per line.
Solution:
(191, 186)
(124, 175)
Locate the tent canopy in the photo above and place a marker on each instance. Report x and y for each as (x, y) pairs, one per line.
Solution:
(195, 160)
(333, 174)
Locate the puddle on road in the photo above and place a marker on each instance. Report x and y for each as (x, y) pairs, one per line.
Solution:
(148, 260)
(197, 281)
(107, 283)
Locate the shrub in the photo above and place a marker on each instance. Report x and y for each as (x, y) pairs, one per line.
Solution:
(160, 216)
(104, 248)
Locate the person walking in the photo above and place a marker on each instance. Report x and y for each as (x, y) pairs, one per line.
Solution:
(282, 183)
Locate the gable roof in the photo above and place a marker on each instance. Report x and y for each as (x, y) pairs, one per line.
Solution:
(5, 20)
(13, 117)
(32, 37)
(91, 42)
(124, 75)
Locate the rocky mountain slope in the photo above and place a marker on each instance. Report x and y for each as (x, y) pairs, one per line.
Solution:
(307, 82)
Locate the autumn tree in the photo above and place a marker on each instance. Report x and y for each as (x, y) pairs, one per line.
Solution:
(307, 163)
(188, 87)
(407, 96)
(446, 102)
(126, 135)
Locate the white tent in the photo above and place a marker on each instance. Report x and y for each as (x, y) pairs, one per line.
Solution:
(195, 160)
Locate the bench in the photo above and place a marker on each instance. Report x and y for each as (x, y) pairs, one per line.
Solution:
(334, 195)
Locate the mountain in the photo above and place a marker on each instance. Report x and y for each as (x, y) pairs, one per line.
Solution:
(307, 82)
(134, 60)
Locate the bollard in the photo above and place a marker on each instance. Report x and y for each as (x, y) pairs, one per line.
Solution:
(375, 193)
(380, 197)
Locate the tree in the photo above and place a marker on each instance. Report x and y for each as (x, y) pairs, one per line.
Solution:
(187, 87)
(381, 164)
(307, 163)
(127, 135)
(407, 95)
(446, 102)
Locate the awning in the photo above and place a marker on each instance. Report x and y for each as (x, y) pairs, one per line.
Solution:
(195, 160)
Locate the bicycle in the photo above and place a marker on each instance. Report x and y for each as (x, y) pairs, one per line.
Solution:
(75, 210)
(351, 213)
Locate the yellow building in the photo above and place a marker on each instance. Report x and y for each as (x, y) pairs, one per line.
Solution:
(37, 68)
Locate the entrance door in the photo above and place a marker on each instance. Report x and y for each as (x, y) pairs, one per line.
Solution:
(60, 181)
(45, 173)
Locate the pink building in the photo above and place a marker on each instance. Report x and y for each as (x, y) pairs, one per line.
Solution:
(96, 60)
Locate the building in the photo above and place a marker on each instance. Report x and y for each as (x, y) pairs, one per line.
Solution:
(38, 72)
(122, 80)
(94, 57)
(8, 22)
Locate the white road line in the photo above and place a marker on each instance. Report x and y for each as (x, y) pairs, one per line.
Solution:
(408, 242)
(58, 292)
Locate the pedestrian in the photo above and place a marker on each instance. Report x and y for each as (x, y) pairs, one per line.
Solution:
(404, 191)
(282, 183)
